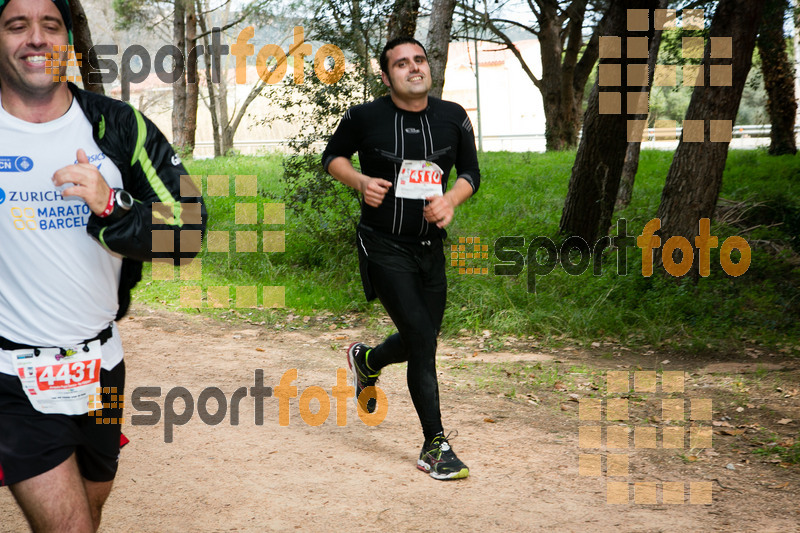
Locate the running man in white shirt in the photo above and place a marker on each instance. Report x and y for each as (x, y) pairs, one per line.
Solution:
(82, 180)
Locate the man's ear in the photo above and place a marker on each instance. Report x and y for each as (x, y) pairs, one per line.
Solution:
(386, 80)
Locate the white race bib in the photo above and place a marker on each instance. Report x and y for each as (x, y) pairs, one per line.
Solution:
(419, 180)
(61, 381)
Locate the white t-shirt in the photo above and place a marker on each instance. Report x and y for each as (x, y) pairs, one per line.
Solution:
(58, 285)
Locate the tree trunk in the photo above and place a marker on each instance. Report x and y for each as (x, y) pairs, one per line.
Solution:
(439, 42)
(83, 45)
(403, 20)
(631, 164)
(179, 87)
(778, 78)
(695, 176)
(193, 83)
(598, 164)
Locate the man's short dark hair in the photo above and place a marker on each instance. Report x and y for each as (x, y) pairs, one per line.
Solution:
(397, 41)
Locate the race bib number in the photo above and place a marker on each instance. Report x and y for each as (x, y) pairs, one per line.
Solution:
(419, 180)
(61, 381)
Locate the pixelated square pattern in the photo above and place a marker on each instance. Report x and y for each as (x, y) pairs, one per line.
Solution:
(55, 60)
(610, 75)
(637, 75)
(617, 464)
(638, 47)
(463, 255)
(610, 47)
(617, 492)
(665, 19)
(644, 493)
(246, 186)
(589, 409)
(610, 103)
(246, 213)
(638, 19)
(191, 186)
(590, 465)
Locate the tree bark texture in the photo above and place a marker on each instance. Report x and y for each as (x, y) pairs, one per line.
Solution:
(695, 176)
(179, 87)
(631, 165)
(82, 35)
(403, 20)
(439, 42)
(598, 164)
(192, 80)
(778, 78)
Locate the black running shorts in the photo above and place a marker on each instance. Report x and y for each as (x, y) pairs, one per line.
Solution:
(32, 443)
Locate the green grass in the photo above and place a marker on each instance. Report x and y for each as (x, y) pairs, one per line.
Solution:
(522, 194)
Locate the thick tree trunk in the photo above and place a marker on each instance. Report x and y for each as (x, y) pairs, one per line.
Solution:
(598, 164)
(631, 165)
(179, 87)
(695, 176)
(83, 45)
(439, 42)
(403, 20)
(778, 78)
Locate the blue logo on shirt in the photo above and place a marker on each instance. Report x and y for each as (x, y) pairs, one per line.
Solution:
(2, 196)
(15, 163)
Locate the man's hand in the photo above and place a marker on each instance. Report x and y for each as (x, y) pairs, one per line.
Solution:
(374, 190)
(439, 210)
(87, 182)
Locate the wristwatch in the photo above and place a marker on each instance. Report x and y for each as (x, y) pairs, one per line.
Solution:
(123, 202)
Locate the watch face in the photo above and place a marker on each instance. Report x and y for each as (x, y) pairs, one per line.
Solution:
(124, 199)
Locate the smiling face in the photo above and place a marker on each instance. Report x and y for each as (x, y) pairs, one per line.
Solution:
(408, 75)
(29, 29)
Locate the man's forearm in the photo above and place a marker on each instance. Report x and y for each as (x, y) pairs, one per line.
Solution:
(459, 192)
(342, 169)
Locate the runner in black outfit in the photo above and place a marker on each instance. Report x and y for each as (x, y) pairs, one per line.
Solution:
(407, 143)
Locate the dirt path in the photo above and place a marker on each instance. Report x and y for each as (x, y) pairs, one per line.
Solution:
(523, 456)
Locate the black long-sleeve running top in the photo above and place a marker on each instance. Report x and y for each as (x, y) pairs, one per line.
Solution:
(385, 135)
